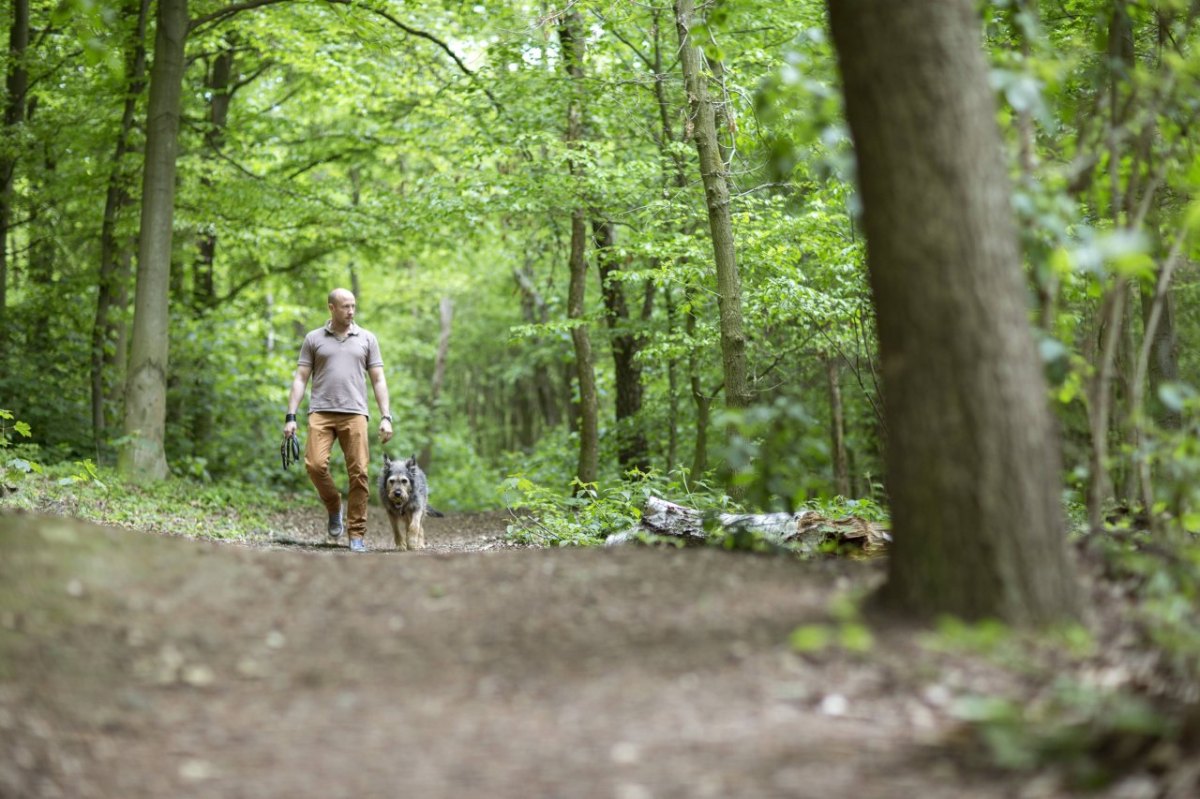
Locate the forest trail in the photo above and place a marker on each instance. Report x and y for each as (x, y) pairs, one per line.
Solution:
(135, 665)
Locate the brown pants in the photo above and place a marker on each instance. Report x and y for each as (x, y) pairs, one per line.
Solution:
(350, 430)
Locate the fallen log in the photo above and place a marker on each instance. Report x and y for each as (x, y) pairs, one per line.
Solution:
(805, 530)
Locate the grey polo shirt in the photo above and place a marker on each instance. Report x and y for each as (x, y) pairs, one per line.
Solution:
(339, 366)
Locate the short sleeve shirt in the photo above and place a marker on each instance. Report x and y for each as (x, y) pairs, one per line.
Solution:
(339, 366)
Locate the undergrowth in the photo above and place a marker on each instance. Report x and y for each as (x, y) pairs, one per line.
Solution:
(175, 506)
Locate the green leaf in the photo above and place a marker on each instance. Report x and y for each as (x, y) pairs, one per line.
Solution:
(811, 638)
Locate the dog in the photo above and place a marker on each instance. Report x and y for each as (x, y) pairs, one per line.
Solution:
(404, 492)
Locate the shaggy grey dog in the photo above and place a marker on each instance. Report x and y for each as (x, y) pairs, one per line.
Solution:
(405, 494)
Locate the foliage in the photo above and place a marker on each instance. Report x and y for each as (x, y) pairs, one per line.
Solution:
(1092, 734)
(1092, 728)
(548, 517)
(846, 630)
(14, 466)
(178, 506)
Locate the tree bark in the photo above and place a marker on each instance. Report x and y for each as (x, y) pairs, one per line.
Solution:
(837, 428)
(627, 374)
(587, 470)
(107, 353)
(143, 457)
(17, 83)
(972, 460)
(702, 123)
(220, 87)
(806, 530)
(534, 310)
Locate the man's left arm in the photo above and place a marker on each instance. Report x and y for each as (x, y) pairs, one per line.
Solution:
(379, 384)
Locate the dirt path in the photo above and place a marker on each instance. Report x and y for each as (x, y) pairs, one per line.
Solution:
(134, 665)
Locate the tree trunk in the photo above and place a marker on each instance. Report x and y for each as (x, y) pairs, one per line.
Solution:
(1163, 363)
(702, 123)
(631, 440)
(17, 83)
(143, 457)
(534, 310)
(973, 470)
(672, 389)
(114, 273)
(703, 402)
(837, 428)
(219, 85)
(446, 317)
(589, 437)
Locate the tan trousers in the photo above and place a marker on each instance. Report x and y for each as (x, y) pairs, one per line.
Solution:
(350, 431)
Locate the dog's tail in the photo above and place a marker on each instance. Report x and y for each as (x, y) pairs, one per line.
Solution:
(434, 512)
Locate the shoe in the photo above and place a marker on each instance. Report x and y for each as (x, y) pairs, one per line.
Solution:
(358, 545)
(335, 524)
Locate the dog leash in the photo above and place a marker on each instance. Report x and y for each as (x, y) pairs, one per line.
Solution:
(289, 450)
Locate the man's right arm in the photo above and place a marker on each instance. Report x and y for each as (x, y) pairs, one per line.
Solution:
(299, 382)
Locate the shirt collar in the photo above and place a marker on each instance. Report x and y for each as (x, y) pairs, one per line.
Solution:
(353, 331)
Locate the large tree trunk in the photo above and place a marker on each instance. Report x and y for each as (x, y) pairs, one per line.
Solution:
(702, 123)
(627, 373)
(17, 83)
(114, 272)
(972, 456)
(143, 457)
(589, 412)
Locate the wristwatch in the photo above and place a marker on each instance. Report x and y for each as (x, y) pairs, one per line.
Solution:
(387, 416)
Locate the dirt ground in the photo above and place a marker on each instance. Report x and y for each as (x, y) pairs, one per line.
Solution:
(136, 665)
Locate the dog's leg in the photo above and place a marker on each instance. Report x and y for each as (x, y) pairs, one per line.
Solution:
(409, 543)
(417, 529)
(397, 537)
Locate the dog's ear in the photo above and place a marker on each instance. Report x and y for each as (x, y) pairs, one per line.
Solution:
(412, 460)
(386, 459)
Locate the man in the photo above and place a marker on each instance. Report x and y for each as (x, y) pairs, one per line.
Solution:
(336, 356)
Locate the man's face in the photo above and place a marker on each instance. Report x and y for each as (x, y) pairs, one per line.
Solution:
(341, 310)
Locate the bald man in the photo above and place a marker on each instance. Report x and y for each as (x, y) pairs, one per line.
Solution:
(337, 356)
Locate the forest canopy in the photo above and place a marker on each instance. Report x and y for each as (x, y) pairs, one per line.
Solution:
(456, 165)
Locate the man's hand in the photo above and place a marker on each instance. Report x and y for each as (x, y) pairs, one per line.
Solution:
(289, 429)
(385, 431)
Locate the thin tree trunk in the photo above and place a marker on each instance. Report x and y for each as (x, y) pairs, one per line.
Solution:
(143, 457)
(702, 122)
(1163, 351)
(446, 317)
(837, 428)
(355, 199)
(672, 389)
(17, 83)
(589, 436)
(627, 375)
(534, 310)
(973, 470)
(1114, 307)
(703, 402)
(220, 85)
(114, 273)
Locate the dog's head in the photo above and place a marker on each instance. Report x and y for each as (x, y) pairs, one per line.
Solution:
(398, 480)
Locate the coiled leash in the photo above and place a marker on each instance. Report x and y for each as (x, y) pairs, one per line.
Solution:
(289, 450)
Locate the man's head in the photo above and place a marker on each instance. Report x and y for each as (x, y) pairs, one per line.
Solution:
(341, 308)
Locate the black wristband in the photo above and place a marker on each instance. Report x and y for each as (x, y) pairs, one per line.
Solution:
(291, 417)
(387, 416)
